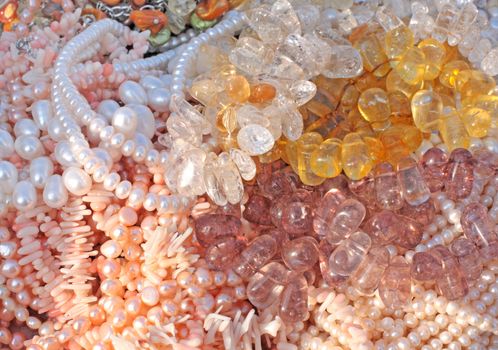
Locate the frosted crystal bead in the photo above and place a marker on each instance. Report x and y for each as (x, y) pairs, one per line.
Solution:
(248, 114)
(190, 114)
(467, 16)
(309, 16)
(489, 64)
(244, 163)
(213, 186)
(270, 29)
(345, 62)
(387, 19)
(301, 91)
(284, 11)
(292, 124)
(283, 67)
(190, 170)
(230, 179)
(255, 139)
(444, 21)
(251, 55)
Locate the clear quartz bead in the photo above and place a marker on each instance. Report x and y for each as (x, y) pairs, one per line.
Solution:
(255, 139)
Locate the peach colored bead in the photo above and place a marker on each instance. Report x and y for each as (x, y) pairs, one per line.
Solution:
(128, 216)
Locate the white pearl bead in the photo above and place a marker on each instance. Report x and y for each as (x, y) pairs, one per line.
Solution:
(146, 121)
(55, 130)
(64, 155)
(6, 144)
(125, 120)
(28, 147)
(8, 176)
(42, 113)
(77, 181)
(159, 99)
(132, 92)
(24, 196)
(39, 171)
(107, 109)
(149, 82)
(26, 127)
(55, 193)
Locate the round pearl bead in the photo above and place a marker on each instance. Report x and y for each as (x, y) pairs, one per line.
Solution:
(77, 181)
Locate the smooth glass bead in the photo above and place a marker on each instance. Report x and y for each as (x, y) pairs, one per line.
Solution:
(367, 277)
(427, 107)
(451, 283)
(434, 164)
(395, 285)
(307, 144)
(326, 159)
(453, 131)
(477, 225)
(425, 267)
(411, 67)
(387, 188)
(468, 257)
(373, 105)
(300, 254)
(460, 174)
(346, 258)
(348, 217)
(266, 286)
(356, 160)
(211, 227)
(294, 301)
(255, 256)
(325, 211)
(415, 190)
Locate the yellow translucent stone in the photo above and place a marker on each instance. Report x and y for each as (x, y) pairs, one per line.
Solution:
(319, 109)
(373, 105)
(435, 54)
(426, 107)
(290, 155)
(477, 121)
(489, 103)
(368, 81)
(261, 93)
(305, 146)
(272, 155)
(227, 141)
(237, 88)
(227, 119)
(326, 159)
(371, 51)
(450, 71)
(398, 40)
(453, 131)
(356, 160)
(411, 67)
(395, 83)
(205, 91)
(376, 149)
(382, 70)
(349, 98)
(471, 83)
(399, 104)
(399, 141)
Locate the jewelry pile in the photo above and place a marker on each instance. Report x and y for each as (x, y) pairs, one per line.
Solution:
(285, 174)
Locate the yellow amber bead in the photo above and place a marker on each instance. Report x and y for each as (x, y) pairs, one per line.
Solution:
(349, 98)
(453, 131)
(376, 149)
(435, 54)
(426, 106)
(356, 160)
(399, 103)
(399, 141)
(489, 103)
(272, 155)
(261, 93)
(373, 105)
(205, 91)
(450, 71)
(326, 159)
(319, 109)
(398, 40)
(226, 120)
(477, 121)
(368, 81)
(237, 88)
(411, 67)
(395, 83)
(471, 83)
(305, 146)
(371, 51)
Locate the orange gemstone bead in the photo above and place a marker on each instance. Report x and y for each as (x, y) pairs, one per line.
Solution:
(212, 9)
(237, 88)
(8, 12)
(152, 20)
(262, 93)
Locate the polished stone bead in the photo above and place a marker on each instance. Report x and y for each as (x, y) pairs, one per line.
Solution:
(468, 257)
(348, 217)
(348, 255)
(460, 174)
(294, 300)
(331, 277)
(434, 165)
(255, 255)
(477, 225)
(395, 285)
(387, 188)
(409, 233)
(423, 214)
(367, 277)
(266, 286)
(257, 210)
(451, 283)
(325, 211)
(211, 227)
(300, 254)
(415, 190)
(425, 267)
(382, 227)
(222, 254)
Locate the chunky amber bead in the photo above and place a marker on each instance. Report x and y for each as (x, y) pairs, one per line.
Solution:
(435, 55)
(411, 67)
(209, 10)
(237, 88)
(373, 105)
(394, 83)
(261, 93)
(399, 104)
(471, 83)
(450, 71)
(372, 52)
(305, 147)
(8, 12)
(398, 40)
(426, 109)
(376, 149)
(153, 20)
(326, 159)
(453, 131)
(356, 160)
(476, 120)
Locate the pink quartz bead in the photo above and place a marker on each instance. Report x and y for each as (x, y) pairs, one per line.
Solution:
(221, 254)
(364, 190)
(330, 277)
(297, 219)
(468, 257)
(255, 255)
(257, 210)
(486, 163)
(424, 213)
(300, 254)
(425, 267)
(348, 255)
(460, 176)
(211, 227)
(395, 285)
(367, 277)
(409, 233)
(382, 227)
(276, 183)
(294, 300)
(387, 189)
(324, 213)
(265, 287)
(451, 283)
(278, 235)
(412, 183)
(348, 217)
(434, 163)
(477, 225)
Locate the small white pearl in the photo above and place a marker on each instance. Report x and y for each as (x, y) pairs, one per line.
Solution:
(39, 171)
(107, 109)
(132, 92)
(125, 120)
(55, 193)
(24, 196)
(42, 113)
(26, 127)
(6, 144)
(28, 147)
(77, 181)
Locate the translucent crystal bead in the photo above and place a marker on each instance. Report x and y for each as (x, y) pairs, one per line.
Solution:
(372, 52)
(230, 179)
(382, 227)
(387, 189)
(300, 254)
(412, 183)
(450, 71)
(248, 114)
(211, 227)
(301, 91)
(292, 123)
(444, 21)
(266, 286)
(237, 88)
(356, 161)
(244, 163)
(489, 64)
(285, 11)
(326, 159)
(190, 170)
(453, 131)
(467, 16)
(255, 139)
(325, 211)
(251, 55)
(349, 254)
(367, 277)
(305, 147)
(471, 83)
(398, 40)
(427, 107)
(345, 62)
(468, 257)
(411, 67)
(477, 225)
(373, 105)
(451, 283)
(294, 302)
(255, 256)
(222, 254)
(434, 164)
(425, 267)
(270, 29)
(477, 121)
(348, 217)
(435, 55)
(460, 174)
(395, 285)
(211, 181)
(387, 19)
